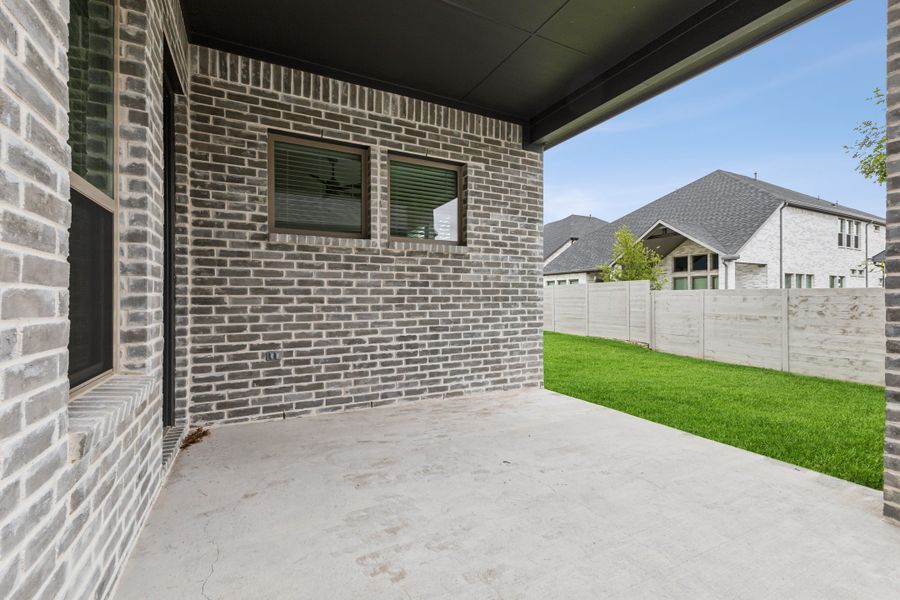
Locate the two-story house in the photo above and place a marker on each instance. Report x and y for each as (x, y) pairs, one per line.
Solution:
(727, 231)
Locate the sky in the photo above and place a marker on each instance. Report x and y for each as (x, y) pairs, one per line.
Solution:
(785, 110)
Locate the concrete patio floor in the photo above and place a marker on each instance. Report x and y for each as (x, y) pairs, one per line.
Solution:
(515, 495)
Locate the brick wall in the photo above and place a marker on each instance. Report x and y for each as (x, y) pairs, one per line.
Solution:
(77, 475)
(892, 280)
(359, 322)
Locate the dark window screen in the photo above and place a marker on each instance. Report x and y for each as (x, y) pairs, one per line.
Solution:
(681, 264)
(317, 189)
(90, 290)
(699, 262)
(424, 202)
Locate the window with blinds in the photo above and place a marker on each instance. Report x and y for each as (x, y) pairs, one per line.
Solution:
(425, 200)
(317, 187)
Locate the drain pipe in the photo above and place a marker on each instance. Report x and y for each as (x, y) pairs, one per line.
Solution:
(781, 245)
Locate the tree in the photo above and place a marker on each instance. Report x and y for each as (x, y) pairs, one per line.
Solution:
(869, 149)
(634, 261)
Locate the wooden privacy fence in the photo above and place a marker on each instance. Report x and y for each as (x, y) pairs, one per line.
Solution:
(836, 333)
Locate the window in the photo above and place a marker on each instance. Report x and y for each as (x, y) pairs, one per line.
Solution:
(714, 260)
(316, 187)
(798, 278)
(561, 282)
(425, 199)
(699, 262)
(714, 282)
(681, 264)
(849, 233)
(699, 283)
(573, 281)
(836, 281)
(680, 283)
(788, 279)
(809, 281)
(551, 283)
(92, 244)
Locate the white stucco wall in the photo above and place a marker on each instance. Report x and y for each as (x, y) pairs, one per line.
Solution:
(810, 247)
(567, 278)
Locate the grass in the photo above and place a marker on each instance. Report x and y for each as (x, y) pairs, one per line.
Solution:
(833, 427)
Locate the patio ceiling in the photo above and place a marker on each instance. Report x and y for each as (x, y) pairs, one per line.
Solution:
(557, 67)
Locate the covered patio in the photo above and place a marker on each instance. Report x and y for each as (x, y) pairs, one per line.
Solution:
(526, 494)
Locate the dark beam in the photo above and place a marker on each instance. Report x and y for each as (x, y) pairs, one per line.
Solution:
(723, 30)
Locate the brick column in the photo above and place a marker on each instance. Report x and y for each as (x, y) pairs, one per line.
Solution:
(892, 279)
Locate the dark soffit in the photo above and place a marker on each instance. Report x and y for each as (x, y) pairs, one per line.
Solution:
(556, 67)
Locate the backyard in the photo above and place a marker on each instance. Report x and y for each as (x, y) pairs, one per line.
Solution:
(833, 427)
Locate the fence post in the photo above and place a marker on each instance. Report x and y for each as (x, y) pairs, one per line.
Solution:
(703, 324)
(587, 309)
(785, 331)
(628, 310)
(652, 320)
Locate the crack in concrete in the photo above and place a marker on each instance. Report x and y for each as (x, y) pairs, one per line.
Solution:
(212, 565)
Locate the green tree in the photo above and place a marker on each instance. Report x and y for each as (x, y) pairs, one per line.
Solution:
(869, 149)
(633, 261)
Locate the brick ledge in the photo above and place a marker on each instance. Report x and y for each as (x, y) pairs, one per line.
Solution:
(96, 417)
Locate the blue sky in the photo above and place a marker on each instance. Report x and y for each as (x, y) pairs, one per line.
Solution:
(784, 109)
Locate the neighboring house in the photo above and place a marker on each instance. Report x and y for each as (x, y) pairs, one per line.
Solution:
(560, 235)
(730, 231)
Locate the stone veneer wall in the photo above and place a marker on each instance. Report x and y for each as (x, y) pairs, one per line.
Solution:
(359, 322)
(77, 475)
(892, 279)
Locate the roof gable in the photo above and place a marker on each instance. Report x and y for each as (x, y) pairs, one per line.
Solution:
(559, 232)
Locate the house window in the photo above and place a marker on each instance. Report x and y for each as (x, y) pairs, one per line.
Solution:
(92, 242)
(798, 278)
(551, 283)
(573, 281)
(426, 203)
(836, 281)
(561, 282)
(848, 235)
(699, 262)
(699, 283)
(714, 282)
(680, 283)
(317, 188)
(809, 281)
(681, 264)
(714, 262)
(788, 279)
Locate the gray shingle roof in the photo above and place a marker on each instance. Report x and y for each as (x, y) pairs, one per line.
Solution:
(721, 210)
(559, 232)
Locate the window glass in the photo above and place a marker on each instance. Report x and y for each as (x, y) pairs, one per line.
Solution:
(551, 283)
(317, 188)
(699, 283)
(571, 281)
(90, 290)
(681, 264)
(788, 280)
(424, 201)
(715, 282)
(714, 258)
(680, 283)
(92, 92)
(798, 280)
(699, 262)
(809, 281)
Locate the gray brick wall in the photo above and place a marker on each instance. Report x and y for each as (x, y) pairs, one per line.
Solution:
(77, 476)
(892, 280)
(360, 322)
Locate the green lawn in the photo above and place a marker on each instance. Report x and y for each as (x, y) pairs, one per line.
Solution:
(829, 426)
